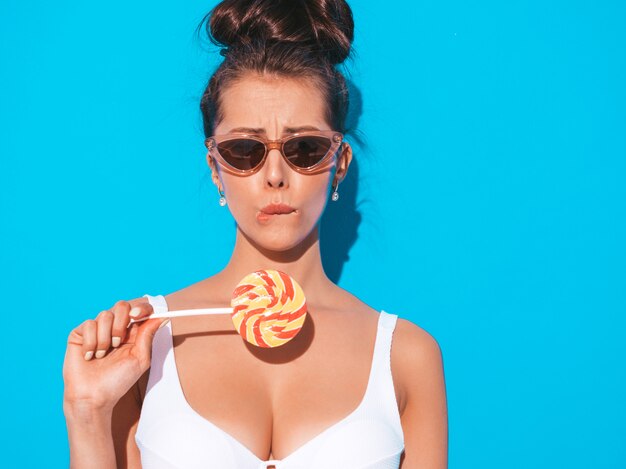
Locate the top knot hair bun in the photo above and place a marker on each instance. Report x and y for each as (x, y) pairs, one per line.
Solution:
(283, 39)
(325, 27)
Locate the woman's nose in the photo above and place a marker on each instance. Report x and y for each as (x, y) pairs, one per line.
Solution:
(276, 170)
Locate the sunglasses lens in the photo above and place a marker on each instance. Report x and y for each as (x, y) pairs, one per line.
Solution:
(242, 153)
(306, 151)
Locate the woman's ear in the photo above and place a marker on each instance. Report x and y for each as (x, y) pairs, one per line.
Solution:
(215, 177)
(344, 160)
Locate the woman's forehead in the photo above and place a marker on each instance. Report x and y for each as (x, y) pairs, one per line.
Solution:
(261, 101)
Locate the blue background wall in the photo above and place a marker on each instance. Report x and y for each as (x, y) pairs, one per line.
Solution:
(490, 176)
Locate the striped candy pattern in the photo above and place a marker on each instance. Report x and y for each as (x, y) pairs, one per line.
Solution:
(269, 308)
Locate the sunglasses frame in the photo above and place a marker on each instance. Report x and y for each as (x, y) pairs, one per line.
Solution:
(336, 139)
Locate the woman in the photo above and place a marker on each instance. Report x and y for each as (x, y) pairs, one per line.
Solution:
(189, 392)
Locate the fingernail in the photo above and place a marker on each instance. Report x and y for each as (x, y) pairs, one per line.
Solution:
(100, 353)
(164, 323)
(115, 341)
(88, 355)
(134, 312)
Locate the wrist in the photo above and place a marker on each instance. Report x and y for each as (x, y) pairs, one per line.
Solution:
(86, 410)
(89, 431)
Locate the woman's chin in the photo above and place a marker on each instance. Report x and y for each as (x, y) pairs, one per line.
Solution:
(277, 240)
(282, 243)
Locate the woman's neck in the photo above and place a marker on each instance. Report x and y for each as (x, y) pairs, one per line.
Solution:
(303, 262)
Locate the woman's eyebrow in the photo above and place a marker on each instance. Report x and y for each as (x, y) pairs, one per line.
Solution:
(286, 130)
(246, 130)
(293, 130)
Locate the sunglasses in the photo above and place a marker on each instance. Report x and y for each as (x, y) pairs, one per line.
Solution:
(306, 152)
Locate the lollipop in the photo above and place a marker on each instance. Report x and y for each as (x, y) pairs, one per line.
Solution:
(268, 308)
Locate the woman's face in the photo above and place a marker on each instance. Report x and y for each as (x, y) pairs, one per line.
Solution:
(274, 107)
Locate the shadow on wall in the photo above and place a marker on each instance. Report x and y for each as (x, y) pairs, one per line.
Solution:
(341, 219)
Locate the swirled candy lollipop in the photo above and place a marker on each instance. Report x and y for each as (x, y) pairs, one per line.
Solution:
(268, 308)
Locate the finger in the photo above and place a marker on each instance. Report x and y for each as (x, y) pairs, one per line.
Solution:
(141, 310)
(121, 310)
(76, 336)
(105, 323)
(144, 338)
(120, 323)
(122, 320)
(88, 331)
(121, 307)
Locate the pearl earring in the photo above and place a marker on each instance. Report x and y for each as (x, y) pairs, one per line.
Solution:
(335, 194)
(222, 198)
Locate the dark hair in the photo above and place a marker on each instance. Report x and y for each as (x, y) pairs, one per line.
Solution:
(288, 38)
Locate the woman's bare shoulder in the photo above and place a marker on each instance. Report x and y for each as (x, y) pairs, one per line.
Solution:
(206, 293)
(411, 339)
(346, 301)
(415, 358)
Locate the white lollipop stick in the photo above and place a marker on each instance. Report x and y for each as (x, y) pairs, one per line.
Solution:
(184, 312)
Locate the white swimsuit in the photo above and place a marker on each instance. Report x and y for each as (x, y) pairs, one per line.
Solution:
(171, 435)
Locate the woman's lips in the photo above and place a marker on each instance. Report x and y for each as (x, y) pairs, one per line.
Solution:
(274, 210)
(280, 209)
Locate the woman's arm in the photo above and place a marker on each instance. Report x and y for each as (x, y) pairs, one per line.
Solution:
(102, 438)
(416, 357)
(100, 398)
(124, 426)
(89, 435)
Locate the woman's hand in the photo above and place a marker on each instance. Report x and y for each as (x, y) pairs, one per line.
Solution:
(105, 357)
